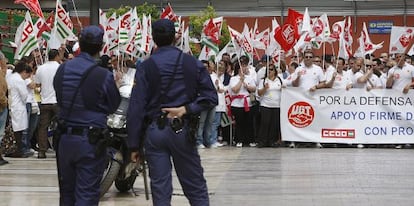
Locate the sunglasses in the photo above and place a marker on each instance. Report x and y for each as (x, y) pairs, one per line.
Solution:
(317, 61)
(368, 65)
(271, 69)
(294, 56)
(308, 57)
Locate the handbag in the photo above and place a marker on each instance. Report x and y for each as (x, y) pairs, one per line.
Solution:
(8, 144)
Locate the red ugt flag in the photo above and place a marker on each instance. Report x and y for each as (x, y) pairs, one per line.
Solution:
(289, 33)
(32, 5)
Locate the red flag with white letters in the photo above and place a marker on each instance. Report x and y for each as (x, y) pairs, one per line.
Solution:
(289, 33)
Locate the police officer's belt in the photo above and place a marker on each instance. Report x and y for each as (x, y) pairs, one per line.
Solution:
(80, 131)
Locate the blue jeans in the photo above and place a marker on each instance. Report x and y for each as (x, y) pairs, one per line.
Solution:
(3, 120)
(214, 127)
(28, 133)
(204, 127)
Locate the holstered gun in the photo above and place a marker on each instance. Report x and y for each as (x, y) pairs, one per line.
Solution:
(100, 138)
(58, 126)
(192, 128)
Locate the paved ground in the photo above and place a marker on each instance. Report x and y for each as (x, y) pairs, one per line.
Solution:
(251, 176)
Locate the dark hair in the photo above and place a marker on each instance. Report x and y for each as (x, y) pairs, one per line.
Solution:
(308, 51)
(22, 67)
(267, 71)
(342, 59)
(236, 68)
(244, 60)
(53, 53)
(328, 58)
(163, 38)
(379, 62)
(282, 66)
(91, 49)
(104, 61)
(294, 64)
(27, 59)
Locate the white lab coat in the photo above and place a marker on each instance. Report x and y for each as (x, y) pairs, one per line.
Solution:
(17, 101)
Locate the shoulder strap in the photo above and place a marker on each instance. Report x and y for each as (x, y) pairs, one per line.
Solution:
(84, 75)
(163, 97)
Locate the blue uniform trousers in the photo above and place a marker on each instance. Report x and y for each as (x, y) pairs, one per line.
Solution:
(80, 171)
(160, 146)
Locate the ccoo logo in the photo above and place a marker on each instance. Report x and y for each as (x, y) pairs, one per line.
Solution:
(301, 114)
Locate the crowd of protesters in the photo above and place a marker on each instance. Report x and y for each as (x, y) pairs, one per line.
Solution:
(249, 91)
(254, 90)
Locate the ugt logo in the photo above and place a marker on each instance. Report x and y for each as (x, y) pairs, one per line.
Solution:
(301, 114)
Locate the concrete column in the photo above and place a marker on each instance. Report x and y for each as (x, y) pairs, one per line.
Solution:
(94, 12)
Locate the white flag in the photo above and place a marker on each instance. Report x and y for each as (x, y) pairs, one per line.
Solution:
(365, 44)
(147, 42)
(125, 27)
(63, 25)
(411, 51)
(25, 38)
(400, 39)
(229, 49)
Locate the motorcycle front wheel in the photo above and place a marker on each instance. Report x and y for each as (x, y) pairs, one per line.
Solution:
(109, 175)
(124, 185)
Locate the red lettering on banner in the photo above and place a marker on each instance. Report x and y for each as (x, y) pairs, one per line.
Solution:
(338, 133)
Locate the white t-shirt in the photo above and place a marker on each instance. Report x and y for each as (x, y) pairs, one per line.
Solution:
(30, 92)
(342, 80)
(260, 75)
(271, 98)
(354, 79)
(402, 77)
(329, 72)
(44, 75)
(239, 102)
(309, 76)
(221, 106)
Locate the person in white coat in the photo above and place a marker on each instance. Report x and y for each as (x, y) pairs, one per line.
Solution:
(17, 103)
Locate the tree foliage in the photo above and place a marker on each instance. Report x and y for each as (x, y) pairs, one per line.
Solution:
(141, 9)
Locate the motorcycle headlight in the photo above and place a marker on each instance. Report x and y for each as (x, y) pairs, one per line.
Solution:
(116, 121)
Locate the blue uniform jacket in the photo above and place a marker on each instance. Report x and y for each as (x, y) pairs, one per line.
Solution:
(106, 96)
(145, 102)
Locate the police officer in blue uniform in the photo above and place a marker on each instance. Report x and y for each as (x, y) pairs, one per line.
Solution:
(171, 89)
(86, 94)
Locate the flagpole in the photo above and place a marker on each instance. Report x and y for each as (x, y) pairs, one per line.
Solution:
(77, 15)
(182, 35)
(323, 55)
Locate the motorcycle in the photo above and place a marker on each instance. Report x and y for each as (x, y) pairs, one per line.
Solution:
(120, 169)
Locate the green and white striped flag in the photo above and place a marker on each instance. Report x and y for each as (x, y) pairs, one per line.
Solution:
(63, 25)
(210, 44)
(25, 38)
(125, 27)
